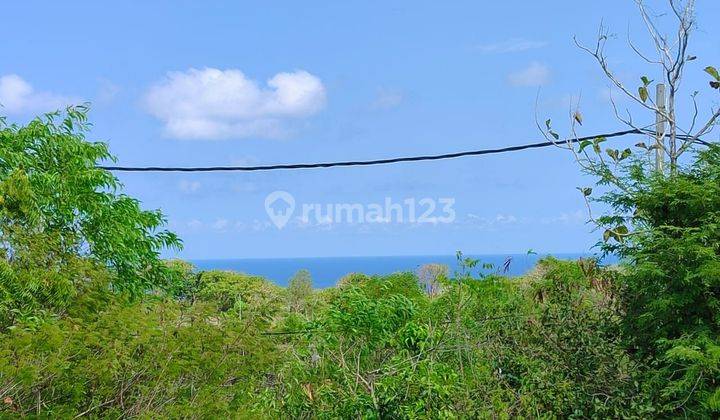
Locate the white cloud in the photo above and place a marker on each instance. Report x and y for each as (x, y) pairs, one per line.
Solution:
(505, 219)
(195, 224)
(536, 74)
(387, 99)
(221, 224)
(511, 45)
(578, 217)
(107, 91)
(17, 96)
(243, 160)
(245, 187)
(493, 223)
(219, 104)
(189, 187)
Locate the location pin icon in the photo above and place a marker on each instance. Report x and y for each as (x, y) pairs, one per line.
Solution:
(280, 206)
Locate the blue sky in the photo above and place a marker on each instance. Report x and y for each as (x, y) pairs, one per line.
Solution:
(226, 83)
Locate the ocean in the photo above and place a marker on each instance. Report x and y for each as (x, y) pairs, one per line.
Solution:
(326, 271)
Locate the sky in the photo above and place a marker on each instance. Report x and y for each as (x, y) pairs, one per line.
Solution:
(182, 83)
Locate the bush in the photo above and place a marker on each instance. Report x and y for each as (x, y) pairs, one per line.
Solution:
(62, 218)
(548, 345)
(92, 322)
(672, 287)
(151, 359)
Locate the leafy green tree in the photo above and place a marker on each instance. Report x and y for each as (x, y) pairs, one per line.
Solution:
(664, 223)
(185, 283)
(672, 291)
(300, 291)
(665, 227)
(241, 295)
(58, 209)
(150, 359)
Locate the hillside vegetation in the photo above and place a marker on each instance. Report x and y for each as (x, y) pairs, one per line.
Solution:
(94, 323)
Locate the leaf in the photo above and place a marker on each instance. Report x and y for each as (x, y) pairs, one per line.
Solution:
(625, 154)
(642, 90)
(645, 81)
(641, 145)
(307, 389)
(584, 144)
(712, 71)
(691, 58)
(619, 233)
(606, 235)
(578, 117)
(715, 85)
(613, 154)
(596, 144)
(714, 400)
(550, 131)
(586, 191)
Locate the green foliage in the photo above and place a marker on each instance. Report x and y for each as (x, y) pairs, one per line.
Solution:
(184, 281)
(240, 294)
(672, 289)
(352, 279)
(547, 345)
(300, 293)
(147, 359)
(93, 323)
(712, 71)
(62, 217)
(667, 229)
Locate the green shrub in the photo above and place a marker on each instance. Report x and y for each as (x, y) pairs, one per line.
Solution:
(63, 218)
(672, 287)
(150, 359)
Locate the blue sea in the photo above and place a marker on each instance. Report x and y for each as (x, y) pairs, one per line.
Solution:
(326, 271)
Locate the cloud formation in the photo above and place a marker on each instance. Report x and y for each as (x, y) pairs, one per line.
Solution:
(107, 91)
(189, 187)
(510, 46)
(17, 96)
(536, 74)
(387, 99)
(220, 104)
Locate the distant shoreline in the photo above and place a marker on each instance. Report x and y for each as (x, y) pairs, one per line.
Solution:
(326, 271)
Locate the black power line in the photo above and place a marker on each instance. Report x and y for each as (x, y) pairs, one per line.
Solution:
(377, 161)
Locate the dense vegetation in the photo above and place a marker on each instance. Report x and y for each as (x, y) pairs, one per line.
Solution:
(93, 322)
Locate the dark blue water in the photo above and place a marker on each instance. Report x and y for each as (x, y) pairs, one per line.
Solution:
(328, 270)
